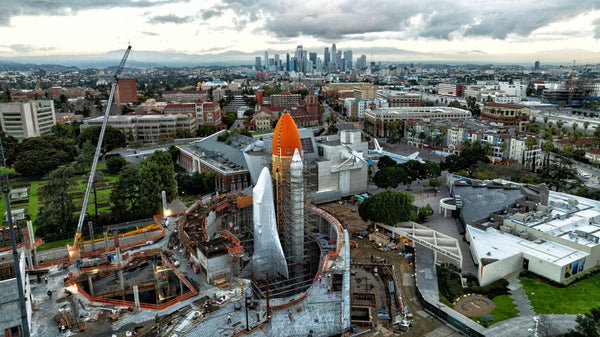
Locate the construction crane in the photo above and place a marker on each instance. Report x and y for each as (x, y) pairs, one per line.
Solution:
(5, 184)
(74, 252)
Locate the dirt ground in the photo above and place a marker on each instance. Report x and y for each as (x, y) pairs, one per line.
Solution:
(425, 324)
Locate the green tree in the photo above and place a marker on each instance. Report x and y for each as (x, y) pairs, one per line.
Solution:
(150, 188)
(588, 324)
(206, 130)
(473, 106)
(385, 161)
(435, 183)
(85, 158)
(503, 146)
(586, 125)
(424, 212)
(455, 104)
(114, 164)
(174, 153)
(387, 207)
(11, 147)
(561, 175)
(37, 156)
(124, 195)
(530, 89)
(63, 131)
(56, 214)
(432, 169)
(389, 177)
(156, 174)
(113, 138)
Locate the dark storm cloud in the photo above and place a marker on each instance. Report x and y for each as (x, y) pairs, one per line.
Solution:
(11, 8)
(419, 18)
(170, 18)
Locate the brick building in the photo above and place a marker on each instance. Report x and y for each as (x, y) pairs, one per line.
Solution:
(126, 91)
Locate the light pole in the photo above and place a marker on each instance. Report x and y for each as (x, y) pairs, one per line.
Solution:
(5, 190)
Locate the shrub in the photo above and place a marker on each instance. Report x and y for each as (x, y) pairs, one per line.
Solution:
(114, 164)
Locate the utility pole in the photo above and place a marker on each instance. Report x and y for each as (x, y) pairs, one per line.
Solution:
(6, 190)
(246, 305)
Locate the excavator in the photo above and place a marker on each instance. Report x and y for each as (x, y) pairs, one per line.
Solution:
(74, 250)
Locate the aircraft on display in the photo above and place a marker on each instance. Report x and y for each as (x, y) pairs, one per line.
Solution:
(397, 157)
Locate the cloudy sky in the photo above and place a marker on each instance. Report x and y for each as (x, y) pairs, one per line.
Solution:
(498, 30)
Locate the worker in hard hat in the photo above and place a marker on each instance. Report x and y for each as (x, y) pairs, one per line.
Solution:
(229, 318)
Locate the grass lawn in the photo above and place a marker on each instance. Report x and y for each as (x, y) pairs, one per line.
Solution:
(33, 200)
(444, 300)
(10, 170)
(505, 309)
(55, 244)
(576, 298)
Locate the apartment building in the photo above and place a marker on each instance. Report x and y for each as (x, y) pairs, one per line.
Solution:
(29, 119)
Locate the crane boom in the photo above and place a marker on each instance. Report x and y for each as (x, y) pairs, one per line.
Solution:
(90, 182)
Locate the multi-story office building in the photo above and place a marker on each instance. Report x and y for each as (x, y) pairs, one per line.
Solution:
(286, 99)
(147, 128)
(348, 60)
(378, 121)
(507, 114)
(399, 98)
(326, 57)
(30, 119)
(257, 64)
(450, 89)
(185, 95)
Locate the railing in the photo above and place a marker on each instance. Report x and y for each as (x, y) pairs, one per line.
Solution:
(338, 227)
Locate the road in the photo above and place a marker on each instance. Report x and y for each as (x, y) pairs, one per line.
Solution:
(589, 173)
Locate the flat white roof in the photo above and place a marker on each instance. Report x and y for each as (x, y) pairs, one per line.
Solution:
(493, 244)
(570, 222)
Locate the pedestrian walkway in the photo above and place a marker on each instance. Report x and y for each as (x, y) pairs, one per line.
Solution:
(519, 297)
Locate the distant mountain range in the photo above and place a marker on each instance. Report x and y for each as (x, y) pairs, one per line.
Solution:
(149, 59)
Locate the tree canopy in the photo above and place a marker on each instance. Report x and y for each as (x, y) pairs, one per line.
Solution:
(37, 156)
(387, 207)
(156, 174)
(57, 216)
(470, 155)
(385, 161)
(113, 138)
(588, 324)
(114, 164)
(10, 144)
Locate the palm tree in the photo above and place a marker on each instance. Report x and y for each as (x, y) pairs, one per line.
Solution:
(560, 123)
(545, 121)
(503, 146)
(574, 126)
(586, 125)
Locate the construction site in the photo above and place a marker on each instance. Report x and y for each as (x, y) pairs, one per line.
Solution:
(260, 261)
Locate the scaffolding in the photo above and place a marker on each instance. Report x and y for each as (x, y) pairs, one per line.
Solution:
(302, 251)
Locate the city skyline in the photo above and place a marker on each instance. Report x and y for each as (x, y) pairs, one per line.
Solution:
(428, 31)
